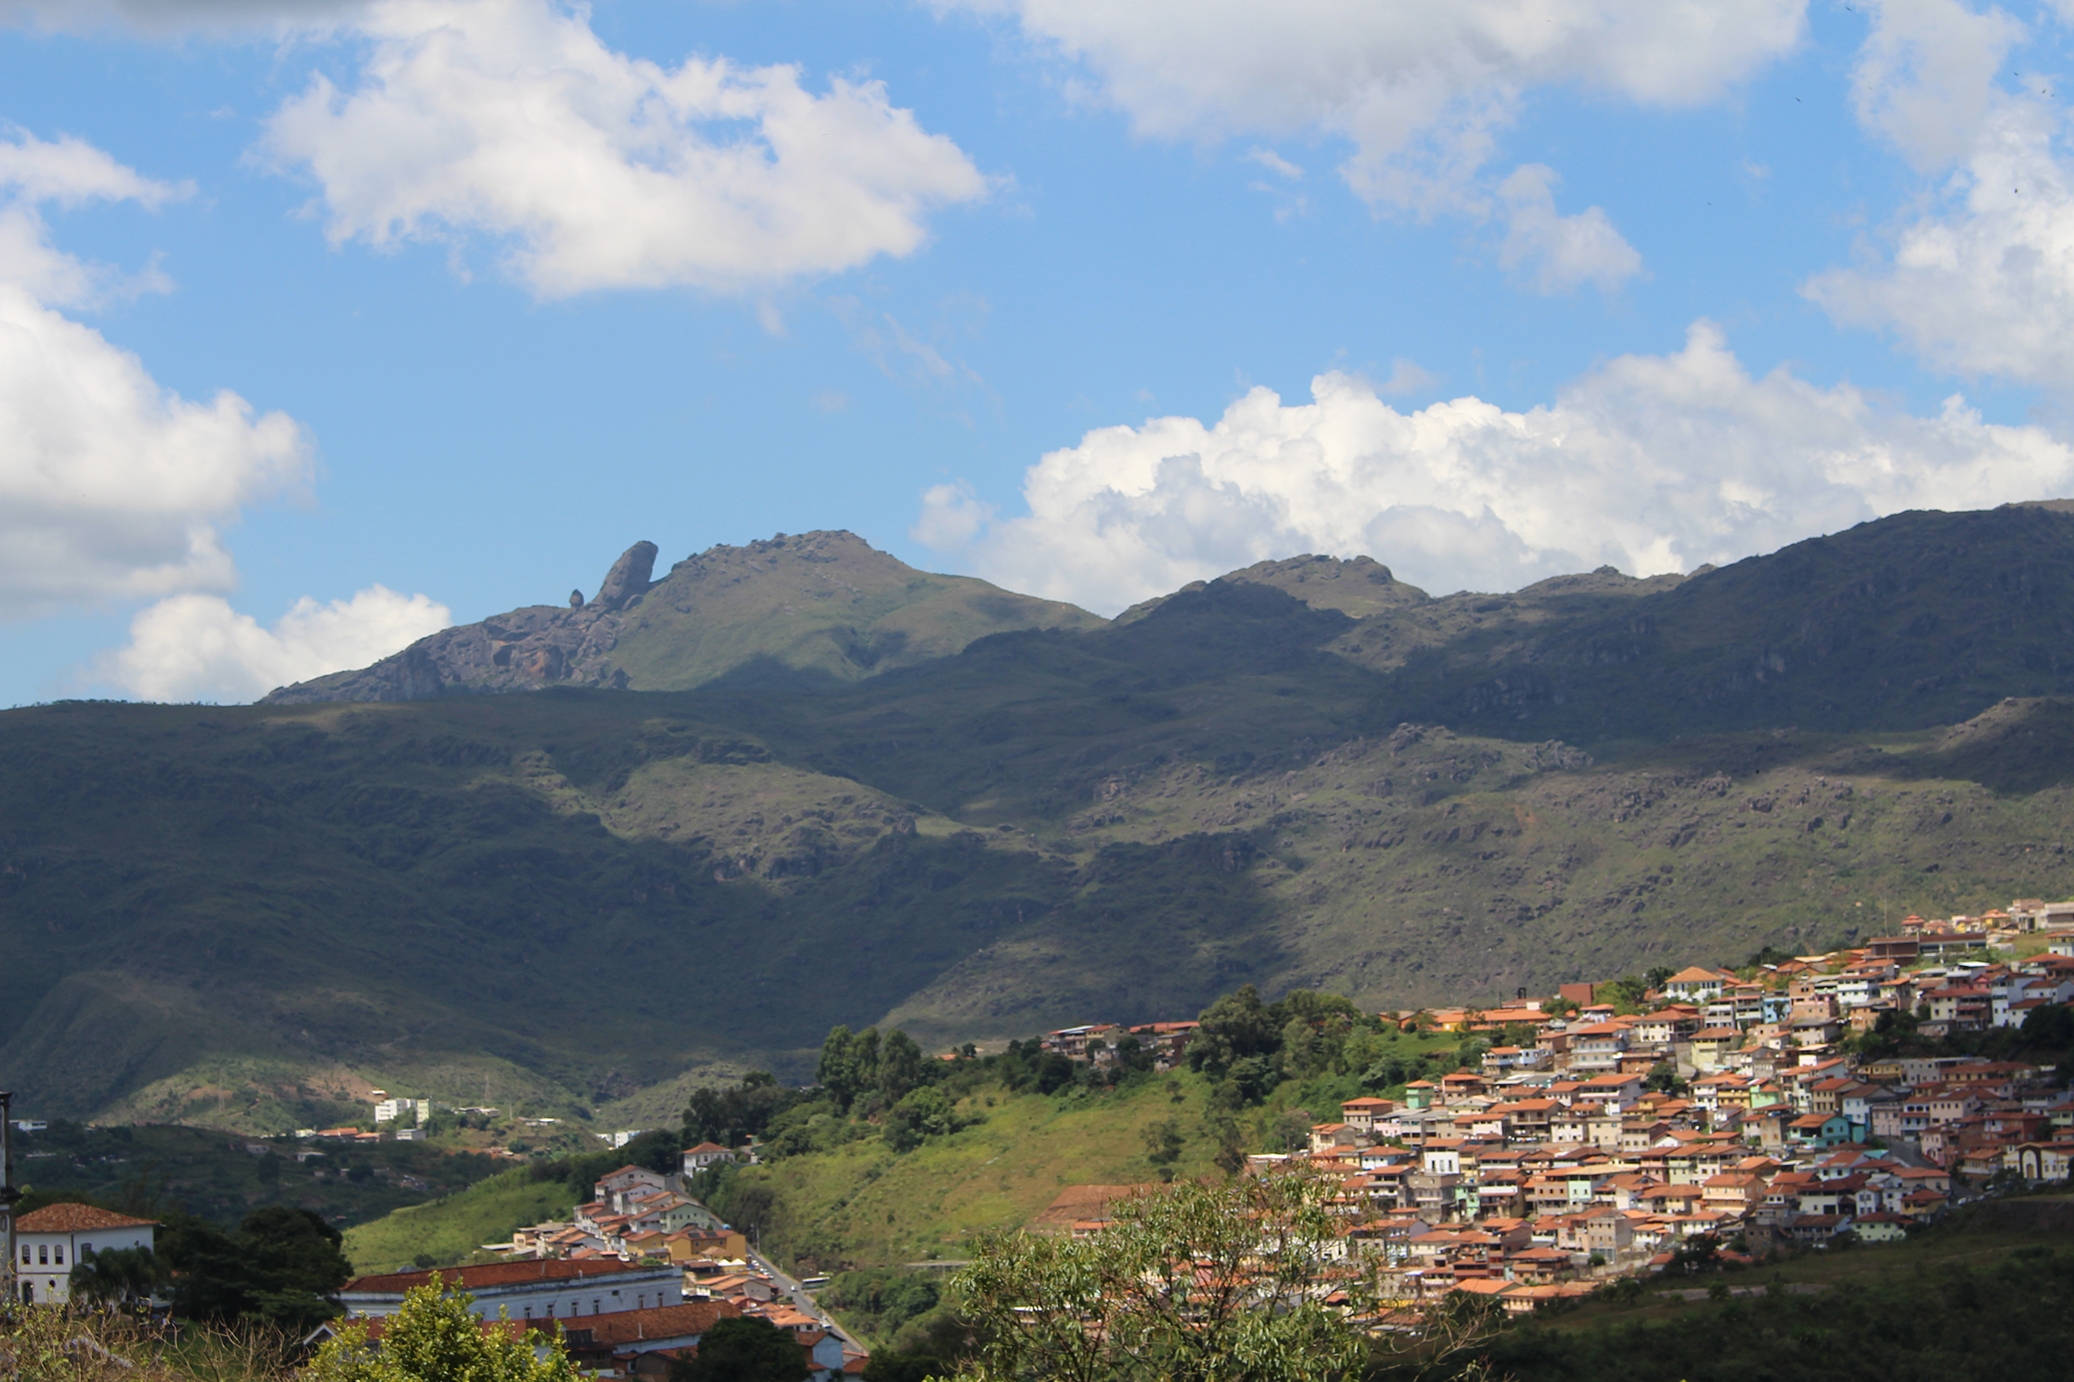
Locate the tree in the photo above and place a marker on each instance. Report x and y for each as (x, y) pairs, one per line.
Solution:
(731, 1116)
(924, 1113)
(116, 1276)
(435, 1337)
(1235, 1026)
(744, 1349)
(901, 1066)
(282, 1265)
(1663, 1078)
(1190, 1283)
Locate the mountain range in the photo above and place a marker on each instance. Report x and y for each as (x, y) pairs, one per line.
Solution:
(576, 856)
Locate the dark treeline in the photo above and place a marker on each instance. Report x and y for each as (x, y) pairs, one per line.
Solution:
(2013, 1321)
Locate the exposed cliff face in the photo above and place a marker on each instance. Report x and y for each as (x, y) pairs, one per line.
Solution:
(539, 645)
(820, 607)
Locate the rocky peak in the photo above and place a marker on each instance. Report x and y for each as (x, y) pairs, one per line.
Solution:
(628, 579)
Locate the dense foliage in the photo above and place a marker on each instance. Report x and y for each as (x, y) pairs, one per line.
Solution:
(2013, 1322)
(744, 1349)
(435, 1337)
(281, 1266)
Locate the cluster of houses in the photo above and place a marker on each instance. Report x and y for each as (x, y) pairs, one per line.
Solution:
(630, 1282)
(1728, 1115)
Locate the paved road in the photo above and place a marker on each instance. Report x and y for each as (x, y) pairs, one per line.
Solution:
(804, 1299)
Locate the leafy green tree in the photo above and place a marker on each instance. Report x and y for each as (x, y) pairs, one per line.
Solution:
(117, 1277)
(901, 1066)
(282, 1265)
(435, 1337)
(744, 1349)
(1191, 1283)
(1658, 976)
(924, 1113)
(1234, 1027)
(1163, 1142)
(842, 1070)
(1663, 1077)
(730, 1116)
(2051, 1027)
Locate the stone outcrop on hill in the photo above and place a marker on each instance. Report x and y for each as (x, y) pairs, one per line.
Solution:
(539, 645)
(822, 606)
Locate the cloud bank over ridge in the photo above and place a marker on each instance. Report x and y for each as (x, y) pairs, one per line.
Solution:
(1648, 463)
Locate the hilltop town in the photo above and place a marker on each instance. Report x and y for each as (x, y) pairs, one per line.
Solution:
(1723, 1117)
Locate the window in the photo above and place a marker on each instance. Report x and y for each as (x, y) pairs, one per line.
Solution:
(60, 1251)
(529, 1312)
(27, 1254)
(597, 1307)
(43, 1253)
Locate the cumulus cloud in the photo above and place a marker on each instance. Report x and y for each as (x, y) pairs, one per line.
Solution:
(1649, 463)
(196, 647)
(1981, 276)
(111, 485)
(1925, 78)
(1420, 90)
(1558, 253)
(593, 169)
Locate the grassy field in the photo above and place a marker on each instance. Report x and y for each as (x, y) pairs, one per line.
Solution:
(452, 1229)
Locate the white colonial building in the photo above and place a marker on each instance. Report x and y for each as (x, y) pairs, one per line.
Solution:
(51, 1241)
(557, 1289)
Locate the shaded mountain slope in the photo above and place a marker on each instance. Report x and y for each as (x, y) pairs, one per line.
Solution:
(584, 893)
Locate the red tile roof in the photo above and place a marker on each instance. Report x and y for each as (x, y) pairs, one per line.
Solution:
(496, 1274)
(75, 1218)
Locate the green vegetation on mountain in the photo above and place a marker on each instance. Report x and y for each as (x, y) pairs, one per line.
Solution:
(1968, 1300)
(816, 609)
(155, 1169)
(1306, 775)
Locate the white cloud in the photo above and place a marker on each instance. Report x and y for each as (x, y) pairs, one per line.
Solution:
(1419, 89)
(111, 485)
(1406, 377)
(196, 647)
(593, 169)
(1981, 278)
(952, 515)
(1649, 463)
(1925, 78)
(1560, 253)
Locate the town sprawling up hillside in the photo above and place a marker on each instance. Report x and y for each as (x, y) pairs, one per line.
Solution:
(1700, 1134)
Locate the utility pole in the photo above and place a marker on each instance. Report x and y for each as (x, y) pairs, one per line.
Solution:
(9, 1292)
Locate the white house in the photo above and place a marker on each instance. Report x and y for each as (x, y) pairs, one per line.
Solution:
(557, 1289)
(697, 1159)
(51, 1241)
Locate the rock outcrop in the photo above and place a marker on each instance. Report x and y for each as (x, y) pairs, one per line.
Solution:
(814, 608)
(524, 650)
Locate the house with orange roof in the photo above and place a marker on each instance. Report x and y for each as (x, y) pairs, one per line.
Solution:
(51, 1241)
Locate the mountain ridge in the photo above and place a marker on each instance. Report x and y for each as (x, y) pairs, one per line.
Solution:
(580, 894)
(823, 606)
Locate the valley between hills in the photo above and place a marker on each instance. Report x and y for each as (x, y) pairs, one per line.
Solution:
(605, 868)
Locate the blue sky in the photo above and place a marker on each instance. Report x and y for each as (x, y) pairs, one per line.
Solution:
(1088, 299)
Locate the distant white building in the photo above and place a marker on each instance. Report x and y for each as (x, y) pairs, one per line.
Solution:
(396, 1110)
(560, 1289)
(51, 1241)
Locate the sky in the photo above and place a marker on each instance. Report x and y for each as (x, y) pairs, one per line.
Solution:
(326, 323)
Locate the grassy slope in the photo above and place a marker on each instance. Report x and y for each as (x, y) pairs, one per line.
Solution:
(453, 1228)
(822, 606)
